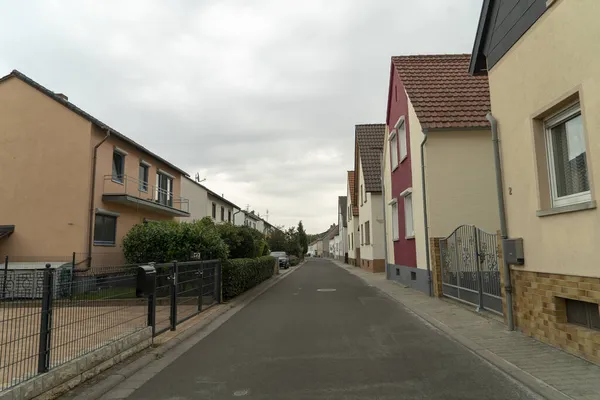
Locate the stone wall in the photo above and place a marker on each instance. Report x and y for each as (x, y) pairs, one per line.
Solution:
(373, 265)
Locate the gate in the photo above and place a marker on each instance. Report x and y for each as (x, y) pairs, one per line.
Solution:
(470, 273)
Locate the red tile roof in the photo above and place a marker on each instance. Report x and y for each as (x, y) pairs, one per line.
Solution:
(352, 193)
(369, 142)
(442, 92)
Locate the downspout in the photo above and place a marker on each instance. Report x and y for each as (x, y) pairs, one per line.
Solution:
(425, 219)
(502, 214)
(92, 195)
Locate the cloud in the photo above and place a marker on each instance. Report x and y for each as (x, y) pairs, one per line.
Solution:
(260, 97)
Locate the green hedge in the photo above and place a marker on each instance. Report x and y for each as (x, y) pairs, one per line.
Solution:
(294, 261)
(242, 274)
(243, 241)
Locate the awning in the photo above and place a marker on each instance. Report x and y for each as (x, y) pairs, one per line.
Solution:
(6, 230)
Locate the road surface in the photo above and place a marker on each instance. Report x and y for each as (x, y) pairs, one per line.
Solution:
(322, 333)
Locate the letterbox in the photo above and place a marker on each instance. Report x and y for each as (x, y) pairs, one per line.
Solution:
(513, 251)
(146, 281)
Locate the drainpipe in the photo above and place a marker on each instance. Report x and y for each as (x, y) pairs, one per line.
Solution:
(502, 214)
(425, 219)
(92, 195)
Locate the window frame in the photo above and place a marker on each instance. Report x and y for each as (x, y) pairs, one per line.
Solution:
(368, 233)
(402, 139)
(222, 213)
(107, 243)
(362, 201)
(229, 216)
(407, 196)
(394, 153)
(214, 210)
(564, 115)
(395, 220)
(143, 184)
(116, 178)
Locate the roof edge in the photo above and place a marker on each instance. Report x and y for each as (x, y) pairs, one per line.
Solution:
(475, 66)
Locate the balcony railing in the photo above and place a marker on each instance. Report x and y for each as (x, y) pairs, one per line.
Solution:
(129, 189)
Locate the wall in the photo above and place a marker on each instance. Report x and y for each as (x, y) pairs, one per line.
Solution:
(45, 161)
(387, 185)
(198, 197)
(371, 210)
(416, 137)
(220, 203)
(401, 177)
(352, 228)
(461, 182)
(554, 58)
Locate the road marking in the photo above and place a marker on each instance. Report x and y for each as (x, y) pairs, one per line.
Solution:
(240, 393)
(326, 290)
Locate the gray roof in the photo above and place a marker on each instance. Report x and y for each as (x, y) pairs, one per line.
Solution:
(86, 116)
(369, 148)
(343, 203)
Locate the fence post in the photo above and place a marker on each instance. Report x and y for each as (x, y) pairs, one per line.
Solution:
(5, 277)
(478, 266)
(152, 309)
(200, 274)
(219, 268)
(174, 297)
(46, 321)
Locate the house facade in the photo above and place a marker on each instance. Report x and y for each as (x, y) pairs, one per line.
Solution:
(390, 212)
(368, 156)
(352, 222)
(248, 218)
(545, 94)
(86, 184)
(206, 203)
(342, 250)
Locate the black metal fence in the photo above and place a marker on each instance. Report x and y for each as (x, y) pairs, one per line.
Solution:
(53, 315)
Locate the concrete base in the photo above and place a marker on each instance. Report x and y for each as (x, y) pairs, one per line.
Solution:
(415, 278)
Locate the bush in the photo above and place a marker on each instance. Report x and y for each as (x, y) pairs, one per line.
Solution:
(165, 241)
(243, 241)
(242, 274)
(294, 261)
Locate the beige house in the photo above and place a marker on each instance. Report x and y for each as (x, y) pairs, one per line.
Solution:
(352, 222)
(206, 203)
(390, 215)
(544, 75)
(368, 154)
(70, 182)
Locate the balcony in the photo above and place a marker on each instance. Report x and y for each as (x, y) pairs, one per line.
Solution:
(133, 192)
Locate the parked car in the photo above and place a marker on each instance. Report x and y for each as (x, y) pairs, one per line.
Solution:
(282, 257)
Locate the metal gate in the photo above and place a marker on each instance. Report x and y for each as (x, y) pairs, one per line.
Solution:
(470, 273)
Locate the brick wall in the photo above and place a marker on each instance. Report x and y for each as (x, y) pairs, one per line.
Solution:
(540, 311)
(373, 265)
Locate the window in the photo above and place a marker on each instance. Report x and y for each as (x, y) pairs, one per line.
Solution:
(362, 235)
(165, 189)
(349, 212)
(367, 232)
(222, 213)
(361, 195)
(118, 166)
(352, 240)
(214, 211)
(567, 160)
(105, 230)
(394, 150)
(143, 178)
(401, 133)
(395, 222)
(583, 313)
(408, 215)
(228, 215)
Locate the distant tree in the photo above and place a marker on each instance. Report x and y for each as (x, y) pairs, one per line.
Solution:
(277, 240)
(302, 240)
(291, 239)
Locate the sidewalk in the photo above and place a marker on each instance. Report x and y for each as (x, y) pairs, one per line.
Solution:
(547, 370)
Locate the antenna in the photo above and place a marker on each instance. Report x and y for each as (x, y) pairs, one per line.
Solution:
(267, 215)
(197, 178)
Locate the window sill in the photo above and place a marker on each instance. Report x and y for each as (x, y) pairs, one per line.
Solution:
(396, 167)
(99, 244)
(588, 205)
(403, 158)
(117, 181)
(409, 237)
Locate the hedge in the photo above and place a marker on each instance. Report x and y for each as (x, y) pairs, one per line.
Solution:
(242, 274)
(243, 241)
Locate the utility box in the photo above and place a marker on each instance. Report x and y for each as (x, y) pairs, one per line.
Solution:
(513, 251)
(146, 281)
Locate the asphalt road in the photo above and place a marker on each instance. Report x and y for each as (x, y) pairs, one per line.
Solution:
(297, 341)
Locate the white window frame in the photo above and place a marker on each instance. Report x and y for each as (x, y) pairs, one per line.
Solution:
(401, 133)
(560, 118)
(393, 141)
(409, 230)
(395, 220)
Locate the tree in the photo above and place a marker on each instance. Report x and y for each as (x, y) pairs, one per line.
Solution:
(292, 246)
(302, 240)
(277, 240)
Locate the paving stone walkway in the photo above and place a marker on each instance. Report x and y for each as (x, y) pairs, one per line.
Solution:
(550, 371)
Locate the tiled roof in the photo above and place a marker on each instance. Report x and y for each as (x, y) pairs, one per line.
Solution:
(352, 193)
(343, 204)
(369, 140)
(442, 92)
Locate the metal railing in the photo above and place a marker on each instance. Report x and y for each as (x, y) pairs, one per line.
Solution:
(53, 315)
(128, 185)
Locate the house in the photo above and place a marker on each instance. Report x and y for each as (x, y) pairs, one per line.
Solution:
(312, 248)
(389, 205)
(342, 250)
(335, 244)
(544, 77)
(267, 228)
(206, 203)
(368, 153)
(327, 239)
(248, 218)
(352, 222)
(441, 159)
(71, 183)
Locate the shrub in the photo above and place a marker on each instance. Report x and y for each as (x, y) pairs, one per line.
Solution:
(165, 241)
(243, 241)
(242, 274)
(294, 261)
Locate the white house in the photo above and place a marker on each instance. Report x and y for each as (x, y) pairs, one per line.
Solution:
(249, 218)
(206, 203)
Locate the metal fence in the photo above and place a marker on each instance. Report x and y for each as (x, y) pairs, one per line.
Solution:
(53, 315)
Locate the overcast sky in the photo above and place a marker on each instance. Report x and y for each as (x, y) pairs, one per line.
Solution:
(260, 97)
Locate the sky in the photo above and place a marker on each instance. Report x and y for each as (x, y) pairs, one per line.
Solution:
(259, 97)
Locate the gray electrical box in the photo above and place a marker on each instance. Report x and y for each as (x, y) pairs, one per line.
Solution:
(146, 281)
(513, 251)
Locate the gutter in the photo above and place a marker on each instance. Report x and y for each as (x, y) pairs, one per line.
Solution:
(425, 219)
(92, 195)
(502, 214)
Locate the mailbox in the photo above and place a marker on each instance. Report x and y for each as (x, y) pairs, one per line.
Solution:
(513, 251)
(146, 281)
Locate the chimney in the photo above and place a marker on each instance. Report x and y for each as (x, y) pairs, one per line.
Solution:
(62, 96)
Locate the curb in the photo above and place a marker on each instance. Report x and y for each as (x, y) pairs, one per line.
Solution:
(534, 384)
(185, 340)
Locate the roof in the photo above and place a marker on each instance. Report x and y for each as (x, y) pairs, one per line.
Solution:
(442, 92)
(369, 138)
(343, 203)
(221, 198)
(331, 232)
(85, 115)
(6, 230)
(353, 201)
